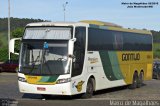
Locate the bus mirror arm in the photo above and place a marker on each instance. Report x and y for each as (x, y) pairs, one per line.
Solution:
(74, 39)
(71, 56)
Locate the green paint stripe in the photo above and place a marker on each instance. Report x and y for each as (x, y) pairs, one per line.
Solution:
(107, 65)
(115, 65)
(49, 78)
(53, 78)
(44, 79)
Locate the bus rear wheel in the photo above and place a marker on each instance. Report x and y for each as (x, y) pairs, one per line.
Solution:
(140, 80)
(89, 89)
(134, 82)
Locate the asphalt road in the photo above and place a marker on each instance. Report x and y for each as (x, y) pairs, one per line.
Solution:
(147, 94)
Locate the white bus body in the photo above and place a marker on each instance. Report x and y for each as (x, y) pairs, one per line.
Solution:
(58, 59)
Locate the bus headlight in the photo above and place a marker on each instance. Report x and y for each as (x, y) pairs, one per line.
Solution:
(22, 79)
(63, 80)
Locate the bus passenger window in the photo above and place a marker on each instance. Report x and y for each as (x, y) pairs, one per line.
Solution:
(118, 41)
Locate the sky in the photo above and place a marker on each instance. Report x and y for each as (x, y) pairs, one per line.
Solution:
(76, 10)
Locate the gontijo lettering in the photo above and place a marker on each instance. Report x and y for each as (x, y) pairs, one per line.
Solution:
(130, 56)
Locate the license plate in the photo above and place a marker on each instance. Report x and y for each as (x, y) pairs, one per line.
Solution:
(41, 88)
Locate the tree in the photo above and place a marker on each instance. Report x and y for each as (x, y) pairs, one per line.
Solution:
(17, 33)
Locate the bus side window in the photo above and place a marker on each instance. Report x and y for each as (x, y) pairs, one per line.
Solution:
(118, 41)
(79, 51)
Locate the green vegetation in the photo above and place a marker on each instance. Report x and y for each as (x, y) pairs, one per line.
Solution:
(16, 23)
(3, 39)
(156, 50)
(3, 46)
(156, 36)
(156, 44)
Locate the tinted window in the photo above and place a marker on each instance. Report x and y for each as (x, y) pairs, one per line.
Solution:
(99, 39)
(137, 42)
(118, 40)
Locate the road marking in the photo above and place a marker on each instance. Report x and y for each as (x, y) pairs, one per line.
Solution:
(98, 99)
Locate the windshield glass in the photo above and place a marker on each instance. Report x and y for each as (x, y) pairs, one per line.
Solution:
(44, 58)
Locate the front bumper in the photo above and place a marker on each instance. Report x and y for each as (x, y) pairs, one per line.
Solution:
(57, 89)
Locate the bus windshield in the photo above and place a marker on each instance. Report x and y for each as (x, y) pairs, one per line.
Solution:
(39, 60)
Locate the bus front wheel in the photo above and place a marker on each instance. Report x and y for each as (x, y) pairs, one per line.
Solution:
(89, 89)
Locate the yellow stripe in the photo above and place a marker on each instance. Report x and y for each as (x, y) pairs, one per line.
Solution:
(129, 30)
(36, 79)
(93, 22)
(111, 26)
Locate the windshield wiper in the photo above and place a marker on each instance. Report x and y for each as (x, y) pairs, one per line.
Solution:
(34, 62)
(43, 61)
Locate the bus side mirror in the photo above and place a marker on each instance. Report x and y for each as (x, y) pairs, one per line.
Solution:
(12, 45)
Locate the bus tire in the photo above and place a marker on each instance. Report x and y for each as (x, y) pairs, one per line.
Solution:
(134, 81)
(89, 89)
(140, 80)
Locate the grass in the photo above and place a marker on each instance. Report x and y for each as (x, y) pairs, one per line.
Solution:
(156, 46)
(3, 47)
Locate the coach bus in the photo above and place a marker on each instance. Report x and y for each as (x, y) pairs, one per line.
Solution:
(65, 58)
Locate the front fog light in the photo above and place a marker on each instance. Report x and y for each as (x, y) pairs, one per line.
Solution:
(63, 80)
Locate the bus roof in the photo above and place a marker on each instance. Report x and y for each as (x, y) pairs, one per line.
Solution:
(112, 26)
(93, 24)
(100, 23)
(58, 24)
